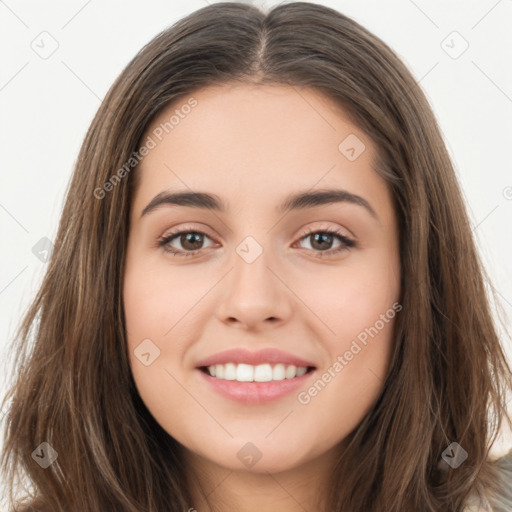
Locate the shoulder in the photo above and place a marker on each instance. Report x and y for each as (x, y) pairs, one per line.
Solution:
(501, 500)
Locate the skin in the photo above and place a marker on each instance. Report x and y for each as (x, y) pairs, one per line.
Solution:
(252, 146)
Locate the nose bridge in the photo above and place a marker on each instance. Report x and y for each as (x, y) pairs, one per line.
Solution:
(254, 293)
(251, 272)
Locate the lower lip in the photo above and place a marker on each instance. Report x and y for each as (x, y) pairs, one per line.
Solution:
(255, 392)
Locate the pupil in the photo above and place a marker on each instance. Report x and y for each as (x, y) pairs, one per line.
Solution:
(193, 239)
(321, 238)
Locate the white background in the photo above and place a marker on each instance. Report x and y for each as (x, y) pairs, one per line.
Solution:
(47, 104)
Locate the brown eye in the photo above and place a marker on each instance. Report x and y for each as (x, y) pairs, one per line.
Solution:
(322, 241)
(191, 241)
(184, 243)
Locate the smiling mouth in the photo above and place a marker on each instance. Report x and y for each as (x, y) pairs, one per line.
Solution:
(256, 373)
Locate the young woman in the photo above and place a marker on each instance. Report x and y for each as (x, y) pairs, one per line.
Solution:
(264, 292)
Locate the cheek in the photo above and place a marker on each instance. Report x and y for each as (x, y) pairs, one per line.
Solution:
(150, 308)
(349, 385)
(359, 305)
(156, 298)
(352, 297)
(158, 308)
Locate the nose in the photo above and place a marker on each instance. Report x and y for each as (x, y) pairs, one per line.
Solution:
(254, 296)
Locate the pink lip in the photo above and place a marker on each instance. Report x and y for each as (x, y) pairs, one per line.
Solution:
(267, 355)
(254, 393)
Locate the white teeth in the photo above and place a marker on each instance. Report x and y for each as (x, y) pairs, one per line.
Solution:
(244, 372)
(278, 373)
(291, 371)
(260, 373)
(263, 373)
(230, 372)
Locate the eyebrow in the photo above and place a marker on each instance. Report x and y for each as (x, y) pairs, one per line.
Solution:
(296, 201)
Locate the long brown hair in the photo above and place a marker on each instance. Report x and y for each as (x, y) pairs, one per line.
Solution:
(448, 376)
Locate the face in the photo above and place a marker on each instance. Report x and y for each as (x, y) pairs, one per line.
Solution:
(230, 296)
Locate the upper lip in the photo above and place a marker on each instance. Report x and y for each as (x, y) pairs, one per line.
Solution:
(241, 355)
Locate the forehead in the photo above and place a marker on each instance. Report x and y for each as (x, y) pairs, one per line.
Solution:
(254, 142)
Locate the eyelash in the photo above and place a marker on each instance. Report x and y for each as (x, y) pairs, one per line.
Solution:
(347, 243)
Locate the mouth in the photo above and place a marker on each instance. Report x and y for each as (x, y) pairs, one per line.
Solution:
(255, 385)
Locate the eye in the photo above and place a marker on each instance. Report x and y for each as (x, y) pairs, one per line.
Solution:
(191, 242)
(321, 241)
